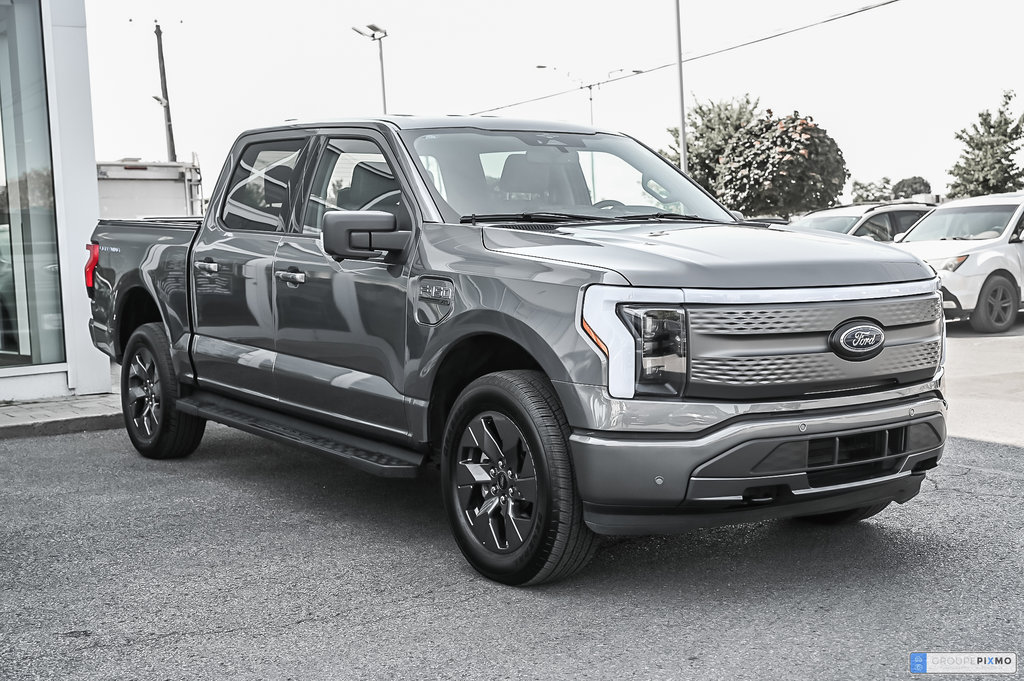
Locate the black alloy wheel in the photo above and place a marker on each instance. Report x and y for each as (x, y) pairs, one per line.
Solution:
(496, 482)
(149, 392)
(144, 405)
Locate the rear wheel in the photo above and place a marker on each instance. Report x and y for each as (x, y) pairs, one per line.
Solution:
(848, 517)
(509, 487)
(149, 391)
(997, 306)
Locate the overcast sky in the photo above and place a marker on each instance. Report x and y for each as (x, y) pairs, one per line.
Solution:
(891, 85)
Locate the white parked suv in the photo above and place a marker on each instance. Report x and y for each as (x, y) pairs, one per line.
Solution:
(975, 246)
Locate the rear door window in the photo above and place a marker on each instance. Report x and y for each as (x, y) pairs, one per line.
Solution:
(258, 195)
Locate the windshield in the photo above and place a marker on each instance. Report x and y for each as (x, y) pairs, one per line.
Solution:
(475, 172)
(965, 222)
(829, 223)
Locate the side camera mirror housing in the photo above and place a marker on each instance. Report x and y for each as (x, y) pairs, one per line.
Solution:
(361, 234)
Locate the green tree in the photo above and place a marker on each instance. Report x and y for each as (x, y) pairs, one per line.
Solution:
(709, 128)
(908, 186)
(781, 166)
(868, 192)
(987, 164)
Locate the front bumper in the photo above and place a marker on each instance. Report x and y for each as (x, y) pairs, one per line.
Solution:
(758, 466)
(960, 291)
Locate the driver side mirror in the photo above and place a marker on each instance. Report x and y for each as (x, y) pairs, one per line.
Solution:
(361, 234)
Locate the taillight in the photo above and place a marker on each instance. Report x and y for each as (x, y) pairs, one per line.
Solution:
(90, 266)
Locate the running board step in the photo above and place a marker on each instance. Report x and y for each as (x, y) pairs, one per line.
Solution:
(377, 458)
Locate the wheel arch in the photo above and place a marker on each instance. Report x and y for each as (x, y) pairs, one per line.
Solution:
(1009, 275)
(136, 306)
(479, 351)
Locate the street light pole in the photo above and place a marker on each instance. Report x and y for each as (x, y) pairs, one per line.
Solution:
(682, 97)
(377, 34)
(163, 99)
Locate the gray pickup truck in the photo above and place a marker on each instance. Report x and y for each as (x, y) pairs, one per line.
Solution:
(582, 339)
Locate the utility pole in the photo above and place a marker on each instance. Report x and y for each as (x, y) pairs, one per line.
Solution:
(163, 100)
(682, 98)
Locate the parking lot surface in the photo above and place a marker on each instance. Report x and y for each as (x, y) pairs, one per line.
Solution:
(251, 560)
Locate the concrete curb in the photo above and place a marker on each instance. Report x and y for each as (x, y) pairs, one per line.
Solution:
(62, 426)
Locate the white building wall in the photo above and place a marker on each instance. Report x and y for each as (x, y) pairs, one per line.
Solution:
(86, 370)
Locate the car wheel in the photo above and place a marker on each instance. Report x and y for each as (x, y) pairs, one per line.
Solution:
(848, 517)
(149, 391)
(997, 306)
(509, 487)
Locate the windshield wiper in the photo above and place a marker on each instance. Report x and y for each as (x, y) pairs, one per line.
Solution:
(666, 216)
(954, 238)
(530, 217)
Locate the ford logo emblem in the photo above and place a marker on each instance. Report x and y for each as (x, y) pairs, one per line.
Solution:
(857, 340)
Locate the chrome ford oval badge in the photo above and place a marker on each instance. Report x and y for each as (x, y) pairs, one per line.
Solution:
(857, 340)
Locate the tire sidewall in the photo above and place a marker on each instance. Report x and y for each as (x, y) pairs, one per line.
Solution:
(521, 564)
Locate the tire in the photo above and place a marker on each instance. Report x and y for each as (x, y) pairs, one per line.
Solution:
(848, 517)
(997, 306)
(508, 481)
(149, 391)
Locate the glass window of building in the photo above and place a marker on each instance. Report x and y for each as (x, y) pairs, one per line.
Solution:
(31, 325)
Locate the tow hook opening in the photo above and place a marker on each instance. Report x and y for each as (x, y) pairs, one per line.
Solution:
(764, 494)
(925, 465)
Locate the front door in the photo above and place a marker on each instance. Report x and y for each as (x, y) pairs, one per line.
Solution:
(232, 271)
(341, 324)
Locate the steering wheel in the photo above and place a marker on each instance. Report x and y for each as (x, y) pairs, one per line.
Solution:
(609, 203)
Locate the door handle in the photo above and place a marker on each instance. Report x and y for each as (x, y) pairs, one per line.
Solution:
(207, 266)
(291, 277)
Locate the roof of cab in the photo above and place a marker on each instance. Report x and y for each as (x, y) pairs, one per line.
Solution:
(402, 122)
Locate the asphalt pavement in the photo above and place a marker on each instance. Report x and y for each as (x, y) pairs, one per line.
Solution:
(252, 560)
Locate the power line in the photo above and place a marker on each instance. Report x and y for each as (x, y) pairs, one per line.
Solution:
(754, 41)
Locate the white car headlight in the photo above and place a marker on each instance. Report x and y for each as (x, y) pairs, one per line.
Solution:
(947, 264)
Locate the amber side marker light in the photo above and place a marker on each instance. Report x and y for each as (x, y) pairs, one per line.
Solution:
(594, 337)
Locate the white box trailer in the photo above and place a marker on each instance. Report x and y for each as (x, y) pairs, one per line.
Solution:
(131, 188)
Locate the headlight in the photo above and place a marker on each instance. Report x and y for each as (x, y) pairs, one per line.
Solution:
(642, 332)
(948, 264)
(660, 336)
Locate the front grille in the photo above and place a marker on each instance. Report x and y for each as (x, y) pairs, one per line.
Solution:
(744, 352)
(804, 319)
(808, 368)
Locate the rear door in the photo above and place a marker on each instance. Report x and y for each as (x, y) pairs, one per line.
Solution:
(341, 324)
(232, 265)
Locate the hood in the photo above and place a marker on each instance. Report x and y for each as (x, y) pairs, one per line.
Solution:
(938, 250)
(714, 255)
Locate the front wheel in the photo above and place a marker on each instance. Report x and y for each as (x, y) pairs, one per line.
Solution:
(149, 390)
(997, 306)
(509, 487)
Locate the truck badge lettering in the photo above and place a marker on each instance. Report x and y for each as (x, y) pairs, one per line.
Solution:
(857, 340)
